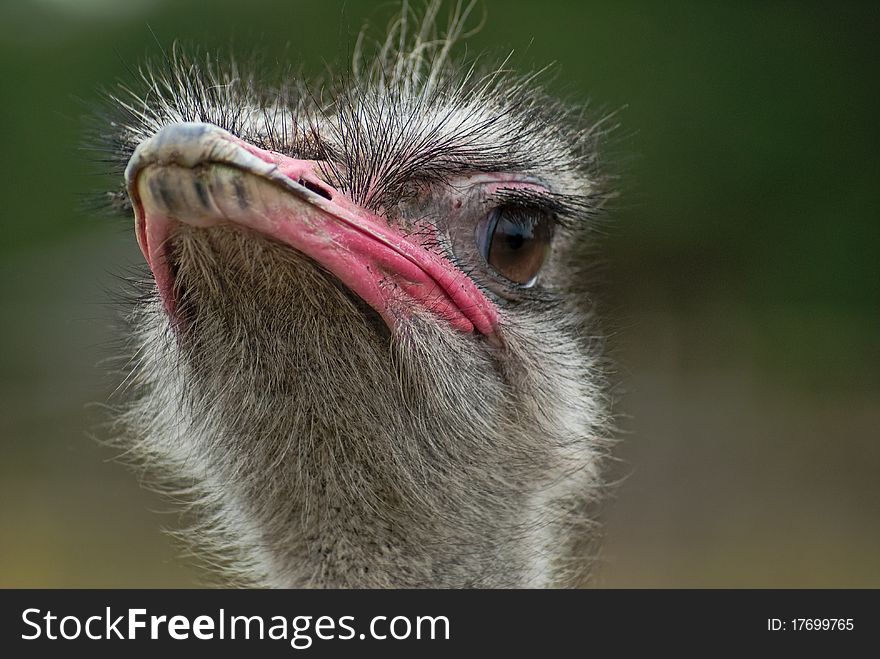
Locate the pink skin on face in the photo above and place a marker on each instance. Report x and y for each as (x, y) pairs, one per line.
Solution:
(274, 195)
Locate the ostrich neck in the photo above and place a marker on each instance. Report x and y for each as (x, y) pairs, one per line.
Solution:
(320, 451)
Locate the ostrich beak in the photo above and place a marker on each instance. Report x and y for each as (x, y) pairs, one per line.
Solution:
(201, 175)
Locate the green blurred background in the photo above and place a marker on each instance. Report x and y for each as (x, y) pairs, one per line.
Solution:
(739, 279)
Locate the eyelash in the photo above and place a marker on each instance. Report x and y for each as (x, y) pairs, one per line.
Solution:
(554, 206)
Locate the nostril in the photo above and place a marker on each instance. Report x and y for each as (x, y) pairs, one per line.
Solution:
(317, 189)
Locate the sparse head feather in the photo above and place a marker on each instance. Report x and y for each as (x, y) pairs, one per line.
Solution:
(406, 110)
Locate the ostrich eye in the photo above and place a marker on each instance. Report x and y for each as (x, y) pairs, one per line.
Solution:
(515, 242)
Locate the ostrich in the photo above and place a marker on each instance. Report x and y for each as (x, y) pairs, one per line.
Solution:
(363, 356)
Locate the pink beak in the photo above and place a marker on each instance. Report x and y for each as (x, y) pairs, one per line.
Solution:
(201, 175)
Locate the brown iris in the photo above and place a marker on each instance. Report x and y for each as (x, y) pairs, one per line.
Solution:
(515, 242)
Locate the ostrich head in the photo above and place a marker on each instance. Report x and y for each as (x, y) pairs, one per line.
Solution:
(363, 356)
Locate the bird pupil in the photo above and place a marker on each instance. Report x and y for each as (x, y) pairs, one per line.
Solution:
(515, 237)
